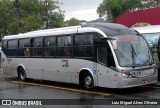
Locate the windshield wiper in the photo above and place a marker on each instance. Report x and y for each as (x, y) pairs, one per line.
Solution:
(133, 51)
(149, 58)
(133, 60)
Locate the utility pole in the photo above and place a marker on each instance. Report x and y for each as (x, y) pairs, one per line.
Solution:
(47, 22)
(17, 5)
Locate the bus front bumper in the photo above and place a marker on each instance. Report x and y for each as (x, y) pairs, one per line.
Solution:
(133, 82)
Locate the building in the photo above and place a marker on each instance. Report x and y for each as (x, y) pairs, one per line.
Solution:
(140, 18)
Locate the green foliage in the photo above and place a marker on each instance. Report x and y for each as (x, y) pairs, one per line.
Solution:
(33, 16)
(58, 20)
(115, 8)
(72, 22)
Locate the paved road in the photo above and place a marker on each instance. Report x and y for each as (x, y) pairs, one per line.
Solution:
(32, 89)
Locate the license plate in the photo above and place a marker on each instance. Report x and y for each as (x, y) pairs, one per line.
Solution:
(136, 73)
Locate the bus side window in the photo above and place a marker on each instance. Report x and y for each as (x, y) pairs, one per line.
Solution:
(12, 48)
(102, 55)
(83, 45)
(64, 46)
(111, 62)
(4, 46)
(24, 48)
(36, 46)
(105, 56)
(49, 47)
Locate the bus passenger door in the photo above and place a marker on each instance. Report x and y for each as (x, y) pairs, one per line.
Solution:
(103, 72)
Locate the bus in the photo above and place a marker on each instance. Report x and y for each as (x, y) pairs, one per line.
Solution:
(91, 55)
(152, 35)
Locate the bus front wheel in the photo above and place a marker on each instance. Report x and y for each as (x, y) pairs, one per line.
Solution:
(88, 81)
(21, 74)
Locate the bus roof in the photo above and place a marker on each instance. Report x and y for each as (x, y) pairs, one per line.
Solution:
(148, 29)
(110, 29)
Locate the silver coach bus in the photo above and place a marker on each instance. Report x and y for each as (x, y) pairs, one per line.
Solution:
(96, 54)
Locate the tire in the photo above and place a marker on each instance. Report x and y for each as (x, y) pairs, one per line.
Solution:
(21, 74)
(88, 81)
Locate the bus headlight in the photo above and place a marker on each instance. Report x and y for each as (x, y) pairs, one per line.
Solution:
(125, 74)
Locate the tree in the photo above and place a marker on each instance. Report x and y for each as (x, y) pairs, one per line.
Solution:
(115, 8)
(151, 3)
(72, 22)
(56, 20)
(33, 15)
(6, 15)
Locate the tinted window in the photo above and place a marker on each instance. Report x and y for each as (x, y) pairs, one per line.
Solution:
(24, 43)
(36, 49)
(12, 48)
(49, 41)
(64, 46)
(12, 44)
(83, 51)
(49, 46)
(85, 39)
(24, 49)
(83, 45)
(37, 42)
(4, 46)
(102, 55)
(65, 41)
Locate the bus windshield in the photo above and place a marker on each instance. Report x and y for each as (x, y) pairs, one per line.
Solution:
(132, 51)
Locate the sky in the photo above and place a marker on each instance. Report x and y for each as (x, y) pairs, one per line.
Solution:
(80, 9)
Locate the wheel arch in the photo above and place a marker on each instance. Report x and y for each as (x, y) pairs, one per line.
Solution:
(20, 66)
(81, 73)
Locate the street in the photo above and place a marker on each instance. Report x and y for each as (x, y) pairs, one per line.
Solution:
(11, 88)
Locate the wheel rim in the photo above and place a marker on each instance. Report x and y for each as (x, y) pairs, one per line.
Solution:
(22, 76)
(88, 81)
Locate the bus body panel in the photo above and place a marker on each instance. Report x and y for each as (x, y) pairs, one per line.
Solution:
(104, 75)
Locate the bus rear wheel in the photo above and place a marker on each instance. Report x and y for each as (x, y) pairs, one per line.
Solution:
(88, 81)
(21, 74)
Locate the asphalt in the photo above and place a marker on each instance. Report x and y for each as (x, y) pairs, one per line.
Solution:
(157, 84)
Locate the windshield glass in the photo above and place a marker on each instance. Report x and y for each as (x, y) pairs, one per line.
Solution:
(152, 39)
(132, 50)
